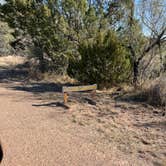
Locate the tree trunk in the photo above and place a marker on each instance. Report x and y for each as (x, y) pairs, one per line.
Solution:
(161, 58)
(135, 73)
(42, 65)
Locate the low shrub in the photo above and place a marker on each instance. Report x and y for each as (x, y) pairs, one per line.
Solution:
(103, 60)
(157, 91)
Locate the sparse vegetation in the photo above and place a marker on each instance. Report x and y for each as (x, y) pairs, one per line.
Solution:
(61, 30)
(120, 45)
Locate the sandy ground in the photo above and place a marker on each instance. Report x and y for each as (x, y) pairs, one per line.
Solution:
(36, 130)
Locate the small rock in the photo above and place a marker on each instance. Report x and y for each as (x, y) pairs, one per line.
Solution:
(145, 142)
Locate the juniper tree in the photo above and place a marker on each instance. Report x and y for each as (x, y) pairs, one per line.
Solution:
(5, 38)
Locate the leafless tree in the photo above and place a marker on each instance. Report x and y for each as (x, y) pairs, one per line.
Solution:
(153, 18)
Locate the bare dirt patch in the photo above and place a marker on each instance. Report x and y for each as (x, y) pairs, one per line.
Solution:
(11, 61)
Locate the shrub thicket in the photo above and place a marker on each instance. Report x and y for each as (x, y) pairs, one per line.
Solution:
(103, 60)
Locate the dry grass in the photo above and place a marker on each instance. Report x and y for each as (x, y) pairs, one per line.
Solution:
(131, 128)
(11, 60)
(59, 78)
(152, 92)
(156, 91)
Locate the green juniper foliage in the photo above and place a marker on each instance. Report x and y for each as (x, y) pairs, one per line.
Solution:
(103, 60)
(98, 41)
(5, 38)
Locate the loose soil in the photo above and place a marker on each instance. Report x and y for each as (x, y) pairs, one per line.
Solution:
(36, 129)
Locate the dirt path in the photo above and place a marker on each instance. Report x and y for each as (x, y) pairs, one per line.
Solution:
(35, 130)
(31, 137)
(35, 136)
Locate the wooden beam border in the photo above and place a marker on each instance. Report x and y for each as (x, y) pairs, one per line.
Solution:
(67, 89)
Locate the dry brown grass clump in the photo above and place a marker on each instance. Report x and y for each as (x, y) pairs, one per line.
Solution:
(152, 92)
(156, 91)
(62, 79)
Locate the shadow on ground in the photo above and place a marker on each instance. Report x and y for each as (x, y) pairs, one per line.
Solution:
(19, 74)
(153, 124)
(40, 87)
(52, 104)
(139, 97)
(42, 90)
(10, 75)
(13, 74)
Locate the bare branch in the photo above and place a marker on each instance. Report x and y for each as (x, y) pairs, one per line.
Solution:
(152, 45)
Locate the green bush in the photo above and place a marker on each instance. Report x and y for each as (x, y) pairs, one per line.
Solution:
(5, 38)
(103, 60)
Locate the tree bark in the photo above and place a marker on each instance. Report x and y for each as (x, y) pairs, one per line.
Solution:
(135, 73)
(42, 65)
(161, 58)
(146, 50)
